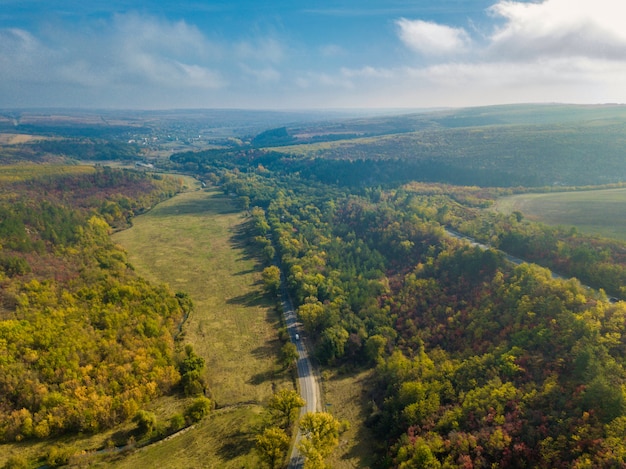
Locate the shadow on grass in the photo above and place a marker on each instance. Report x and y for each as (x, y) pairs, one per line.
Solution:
(266, 351)
(217, 204)
(241, 239)
(253, 298)
(366, 449)
(236, 444)
(263, 377)
(246, 272)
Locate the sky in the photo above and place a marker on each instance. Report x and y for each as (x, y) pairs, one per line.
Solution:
(323, 54)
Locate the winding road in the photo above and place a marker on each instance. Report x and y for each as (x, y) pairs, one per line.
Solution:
(515, 260)
(307, 379)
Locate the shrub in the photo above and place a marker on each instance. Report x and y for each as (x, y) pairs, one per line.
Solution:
(198, 410)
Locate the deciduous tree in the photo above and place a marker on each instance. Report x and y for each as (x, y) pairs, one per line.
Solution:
(284, 405)
(320, 435)
(272, 446)
(271, 279)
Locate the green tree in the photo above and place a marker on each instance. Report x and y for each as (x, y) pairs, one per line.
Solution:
(313, 457)
(199, 409)
(177, 421)
(418, 454)
(17, 461)
(59, 455)
(288, 354)
(191, 362)
(272, 446)
(313, 316)
(332, 344)
(191, 369)
(375, 348)
(146, 422)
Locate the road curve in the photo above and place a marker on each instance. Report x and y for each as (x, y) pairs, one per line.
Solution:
(307, 379)
(515, 260)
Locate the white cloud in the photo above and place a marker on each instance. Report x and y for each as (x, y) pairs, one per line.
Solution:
(551, 50)
(125, 51)
(199, 77)
(332, 50)
(171, 54)
(560, 28)
(530, 50)
(431, 38)
(262, 75)
(264, 49)
(367, 72)
(324, 80)
(22, 55)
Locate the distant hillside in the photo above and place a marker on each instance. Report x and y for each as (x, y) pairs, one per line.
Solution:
(494, 146)
(518, 114)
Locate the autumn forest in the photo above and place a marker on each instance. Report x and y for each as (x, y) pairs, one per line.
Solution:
(503, 347)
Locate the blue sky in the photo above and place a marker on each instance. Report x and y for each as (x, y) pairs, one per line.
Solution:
(289, 54)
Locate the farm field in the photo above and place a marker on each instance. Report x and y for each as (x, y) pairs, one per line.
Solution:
(190, 242)
(596, 212)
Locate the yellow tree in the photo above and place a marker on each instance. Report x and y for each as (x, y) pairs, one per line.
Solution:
(271, 279)
(320, 436)
(272, 446)
(284, 406)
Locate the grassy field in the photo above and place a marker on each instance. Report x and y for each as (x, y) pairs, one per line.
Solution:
(17, 139)
(346, 398)
(191, 242)
(596, 212)
(20, 172)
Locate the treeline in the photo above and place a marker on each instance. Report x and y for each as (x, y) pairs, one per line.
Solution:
(490, 156)
(84, 342)
(57, 149)
(477, 363)
(357, 171)
(87, 149)
(498, 155)
(597, 262)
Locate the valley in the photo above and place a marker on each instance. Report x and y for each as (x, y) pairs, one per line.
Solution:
(429, 351)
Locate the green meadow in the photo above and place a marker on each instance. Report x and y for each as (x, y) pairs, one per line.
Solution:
(193, 243)
(596, 212)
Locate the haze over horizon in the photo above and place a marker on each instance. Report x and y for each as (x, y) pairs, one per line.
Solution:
(291, 55)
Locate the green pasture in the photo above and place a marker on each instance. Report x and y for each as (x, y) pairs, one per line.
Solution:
(224, 439)
(193, 243)
(21, 172)
(596, 212)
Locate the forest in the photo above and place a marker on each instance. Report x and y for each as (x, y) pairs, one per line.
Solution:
(473, 361)
(85, 343)
(476, 362)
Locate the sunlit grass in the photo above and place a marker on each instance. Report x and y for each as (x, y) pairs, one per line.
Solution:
(191, 243)
(21, 172)
(346, 397)
(601, 212)
(17, 139)
(225, 439)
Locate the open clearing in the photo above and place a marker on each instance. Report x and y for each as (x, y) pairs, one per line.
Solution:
(346, 398)
(191, 242)
(16, 139)
(596, 212)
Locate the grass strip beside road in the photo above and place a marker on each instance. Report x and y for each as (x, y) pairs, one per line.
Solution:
(193, 243)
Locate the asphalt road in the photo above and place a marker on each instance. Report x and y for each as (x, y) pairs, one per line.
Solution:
(307, 379)
(513, 259)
